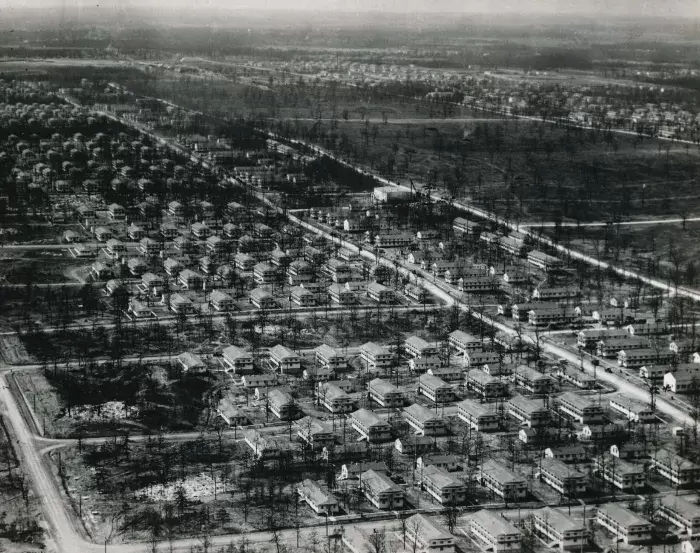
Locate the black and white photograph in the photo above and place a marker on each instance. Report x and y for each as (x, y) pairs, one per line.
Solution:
(361, 276)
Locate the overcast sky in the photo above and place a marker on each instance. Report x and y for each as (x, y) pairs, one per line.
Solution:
(670, 8)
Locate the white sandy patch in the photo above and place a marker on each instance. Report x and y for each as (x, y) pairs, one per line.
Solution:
(194, 487)
(111, 410)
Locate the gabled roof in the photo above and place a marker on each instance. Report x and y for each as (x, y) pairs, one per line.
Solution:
(422, 413)
(368, 418)
(315, 493)
(440, 477)
(191, 360)
(494, 524)
(558, 520)
(500, 473)
(378, 483)
(477, 409)
(282, 352)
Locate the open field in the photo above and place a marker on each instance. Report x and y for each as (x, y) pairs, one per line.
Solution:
(259, 96)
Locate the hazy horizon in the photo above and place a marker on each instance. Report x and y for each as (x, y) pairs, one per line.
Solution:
(624, 8)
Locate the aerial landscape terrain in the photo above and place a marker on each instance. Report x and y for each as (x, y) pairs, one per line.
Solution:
(375, 278)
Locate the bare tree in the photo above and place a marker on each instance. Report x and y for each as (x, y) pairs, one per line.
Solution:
(451, 515)
(377, 541)
(414, 528)
(276, 539)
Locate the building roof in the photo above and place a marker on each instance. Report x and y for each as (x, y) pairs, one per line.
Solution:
(377, 288)
(328, 352)
(136, 262)
(527, 405)
(675, 461)
(377, 482)
(629, 403)
(260, 294)
(440, 477)
(622, 515)
(368, 418)
(576, 400)
(416, 439)
(301, 291)
(372, 348)
(189, 273)
(572, 449)
(382, 386)
(191, 360)
(530, 374)
(179, 299)
(477, 409)
(332, 391)
(622, 466)
(428, 529)
(421, 413)
(279, 397)
(559, 469)
(264, 266)
(682, 506)
(418, 342)
(315, 493)
(500, 473)
(259, 378)
(494, 524)
(310, 426)
(438, 459)
(229, 409)
(282, 352)
(434, 382)
(684, 375)
(339, 289)
(234, 352)
(479, 376)
(558, 520)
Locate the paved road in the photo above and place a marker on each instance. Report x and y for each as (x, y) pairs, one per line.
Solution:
(552, 224)
(59, 246)
(68, 537)
(246, 316)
